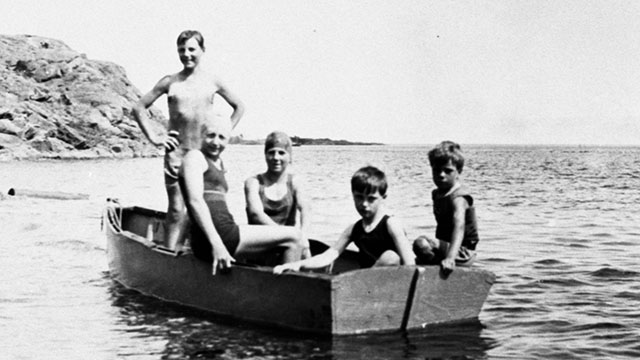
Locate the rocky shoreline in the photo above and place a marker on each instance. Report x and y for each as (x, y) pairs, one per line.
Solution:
(57, 104)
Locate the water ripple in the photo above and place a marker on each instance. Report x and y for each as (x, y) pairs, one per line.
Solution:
(613, 273)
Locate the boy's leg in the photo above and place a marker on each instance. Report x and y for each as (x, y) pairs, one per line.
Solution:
(424, 249)
(429, 251)
(175, 221)
(259, 238)
(388, 258)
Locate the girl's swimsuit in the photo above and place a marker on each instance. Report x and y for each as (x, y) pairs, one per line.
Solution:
(282, 211)
(215, 189)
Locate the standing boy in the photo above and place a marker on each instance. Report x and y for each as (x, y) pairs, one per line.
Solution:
(380, 238)
(456, 229)
(190, 95)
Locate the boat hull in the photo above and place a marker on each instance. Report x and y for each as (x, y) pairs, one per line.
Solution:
(356, 301)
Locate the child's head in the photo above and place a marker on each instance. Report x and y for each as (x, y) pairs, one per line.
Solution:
(446, 161)
(369, 180)
(188, 34)
(444, 152)
(277, 151)
(369, 189)
(216, 133)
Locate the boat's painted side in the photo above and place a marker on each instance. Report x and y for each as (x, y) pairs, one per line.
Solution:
(349, 301)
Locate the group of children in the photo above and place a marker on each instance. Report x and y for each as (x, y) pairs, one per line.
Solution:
(194, 178)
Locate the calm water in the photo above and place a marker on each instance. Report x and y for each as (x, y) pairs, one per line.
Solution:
(559, 226)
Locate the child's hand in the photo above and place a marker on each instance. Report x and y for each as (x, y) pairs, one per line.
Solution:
(448, 265)
(286, 267)
(171, 142)
(222, 260)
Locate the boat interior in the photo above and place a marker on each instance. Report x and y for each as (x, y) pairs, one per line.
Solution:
(147, 226)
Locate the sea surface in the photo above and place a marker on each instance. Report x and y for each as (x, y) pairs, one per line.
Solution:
(559, 226)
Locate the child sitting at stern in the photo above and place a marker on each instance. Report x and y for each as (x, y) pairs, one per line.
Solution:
(456, 229)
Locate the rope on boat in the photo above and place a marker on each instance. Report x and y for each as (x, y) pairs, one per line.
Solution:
(114, 214)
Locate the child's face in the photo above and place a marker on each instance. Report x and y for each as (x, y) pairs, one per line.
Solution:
(215, 138)
(277, 160)
(190, 53)
(367, 204)
(445, 176)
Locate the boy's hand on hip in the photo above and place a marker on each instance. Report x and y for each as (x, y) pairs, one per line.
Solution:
(171, 142)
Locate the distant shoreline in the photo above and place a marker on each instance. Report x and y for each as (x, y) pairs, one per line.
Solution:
(299, 141)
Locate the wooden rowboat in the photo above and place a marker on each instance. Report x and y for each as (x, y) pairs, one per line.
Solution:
(348, 300)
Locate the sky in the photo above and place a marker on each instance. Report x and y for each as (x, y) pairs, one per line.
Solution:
(396, 72)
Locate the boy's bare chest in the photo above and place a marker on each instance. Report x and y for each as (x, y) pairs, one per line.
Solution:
(191, 92)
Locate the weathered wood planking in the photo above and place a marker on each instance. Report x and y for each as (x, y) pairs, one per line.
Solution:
(440, 299)
(373, 299)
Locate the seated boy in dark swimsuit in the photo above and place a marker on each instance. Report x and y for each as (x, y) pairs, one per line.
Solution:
(456, 229)
(380, 238)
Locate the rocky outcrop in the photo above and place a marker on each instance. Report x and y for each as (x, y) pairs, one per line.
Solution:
(56, 103)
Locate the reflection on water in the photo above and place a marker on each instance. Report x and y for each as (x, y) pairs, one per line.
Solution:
(194, 334)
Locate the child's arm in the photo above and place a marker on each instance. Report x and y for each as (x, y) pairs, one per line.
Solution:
(255, 208)
(193, 166)
(399, 236)
(460, 207)
(139, 112)
(233, 101)
(321, 260)
(304, 206)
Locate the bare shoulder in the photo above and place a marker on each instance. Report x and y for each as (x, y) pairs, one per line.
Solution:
(349, 229)
(394, 224)
(208, 78)
(165, 82)
(217, 82)
(251, 182)
(194, 158)
(460, 202)
(214, 78)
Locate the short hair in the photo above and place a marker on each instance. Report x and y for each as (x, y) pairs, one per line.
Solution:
(447, 151)
(188, 34)
(368, 180)
(215, 121)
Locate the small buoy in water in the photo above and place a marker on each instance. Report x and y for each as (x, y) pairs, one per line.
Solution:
(47, 194)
